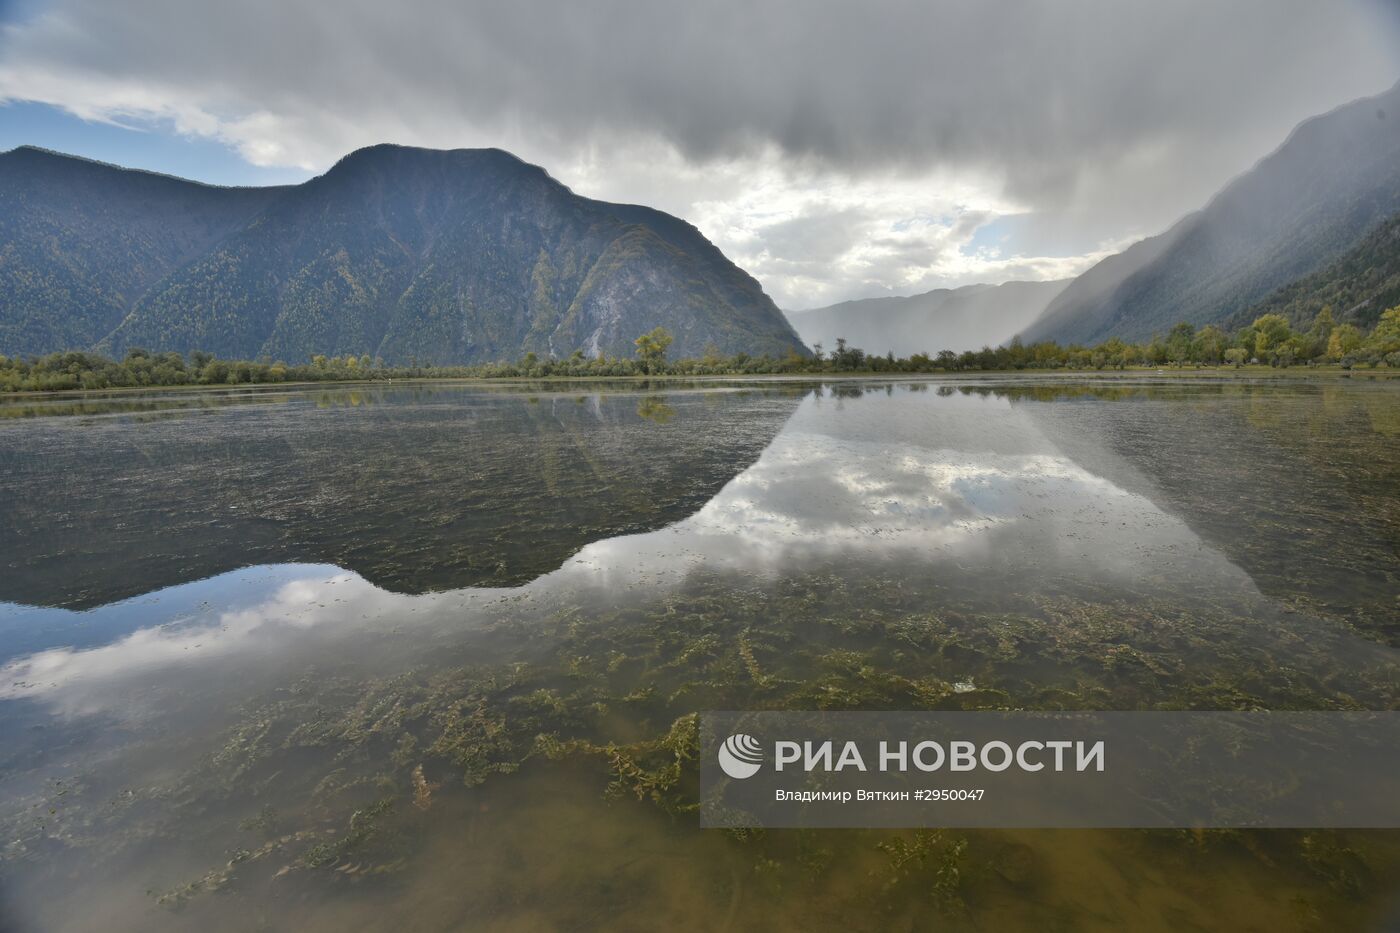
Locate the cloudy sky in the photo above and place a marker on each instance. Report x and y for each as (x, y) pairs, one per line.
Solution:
(835, 150)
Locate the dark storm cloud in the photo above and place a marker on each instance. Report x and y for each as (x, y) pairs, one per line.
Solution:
(1068, 106)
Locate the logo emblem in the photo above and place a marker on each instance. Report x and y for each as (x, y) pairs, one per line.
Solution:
(740, 756)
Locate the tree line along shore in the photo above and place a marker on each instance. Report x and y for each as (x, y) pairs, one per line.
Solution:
(1268, 341)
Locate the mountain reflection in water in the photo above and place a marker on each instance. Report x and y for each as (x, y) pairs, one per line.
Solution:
(420, 488)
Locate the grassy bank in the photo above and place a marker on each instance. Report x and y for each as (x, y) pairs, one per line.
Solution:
(1258, 371)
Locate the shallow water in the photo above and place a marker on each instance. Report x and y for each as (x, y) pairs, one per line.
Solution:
(426, 657)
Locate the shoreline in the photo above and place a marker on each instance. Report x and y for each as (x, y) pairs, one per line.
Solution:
(1221, 373)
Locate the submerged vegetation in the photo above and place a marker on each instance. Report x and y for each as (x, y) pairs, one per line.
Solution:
(1269, 340)
(533, 749)
(360, 768)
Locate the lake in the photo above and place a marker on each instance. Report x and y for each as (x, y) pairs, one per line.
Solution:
(428, 656)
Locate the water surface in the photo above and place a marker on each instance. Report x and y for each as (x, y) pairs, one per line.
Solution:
(428, 656)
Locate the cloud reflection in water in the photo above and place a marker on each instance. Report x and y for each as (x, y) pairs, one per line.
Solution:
(954, 485)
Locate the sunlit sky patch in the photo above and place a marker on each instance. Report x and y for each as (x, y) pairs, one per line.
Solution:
(835, 150)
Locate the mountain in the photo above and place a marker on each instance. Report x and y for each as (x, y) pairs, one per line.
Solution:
(460, 256)
(967, 318)
(81, 242)
(1357, 287)
(1330, 183)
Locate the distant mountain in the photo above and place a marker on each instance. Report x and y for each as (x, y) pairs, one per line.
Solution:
(1312, 200)
(1357, 287)
(460, 256)
(958, 319)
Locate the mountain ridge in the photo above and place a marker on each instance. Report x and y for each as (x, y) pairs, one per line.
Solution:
(1301, 206)
(411, 255)
(957, 319)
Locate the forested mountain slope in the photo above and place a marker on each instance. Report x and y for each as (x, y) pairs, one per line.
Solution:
(1302, 207)
(407, 254)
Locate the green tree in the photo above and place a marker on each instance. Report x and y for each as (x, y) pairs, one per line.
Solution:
(1179, 343)
(1209, 345)
(652, 347)
(1271, 332)
(1322, 325)
(1345, 341)
(1385, 339)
